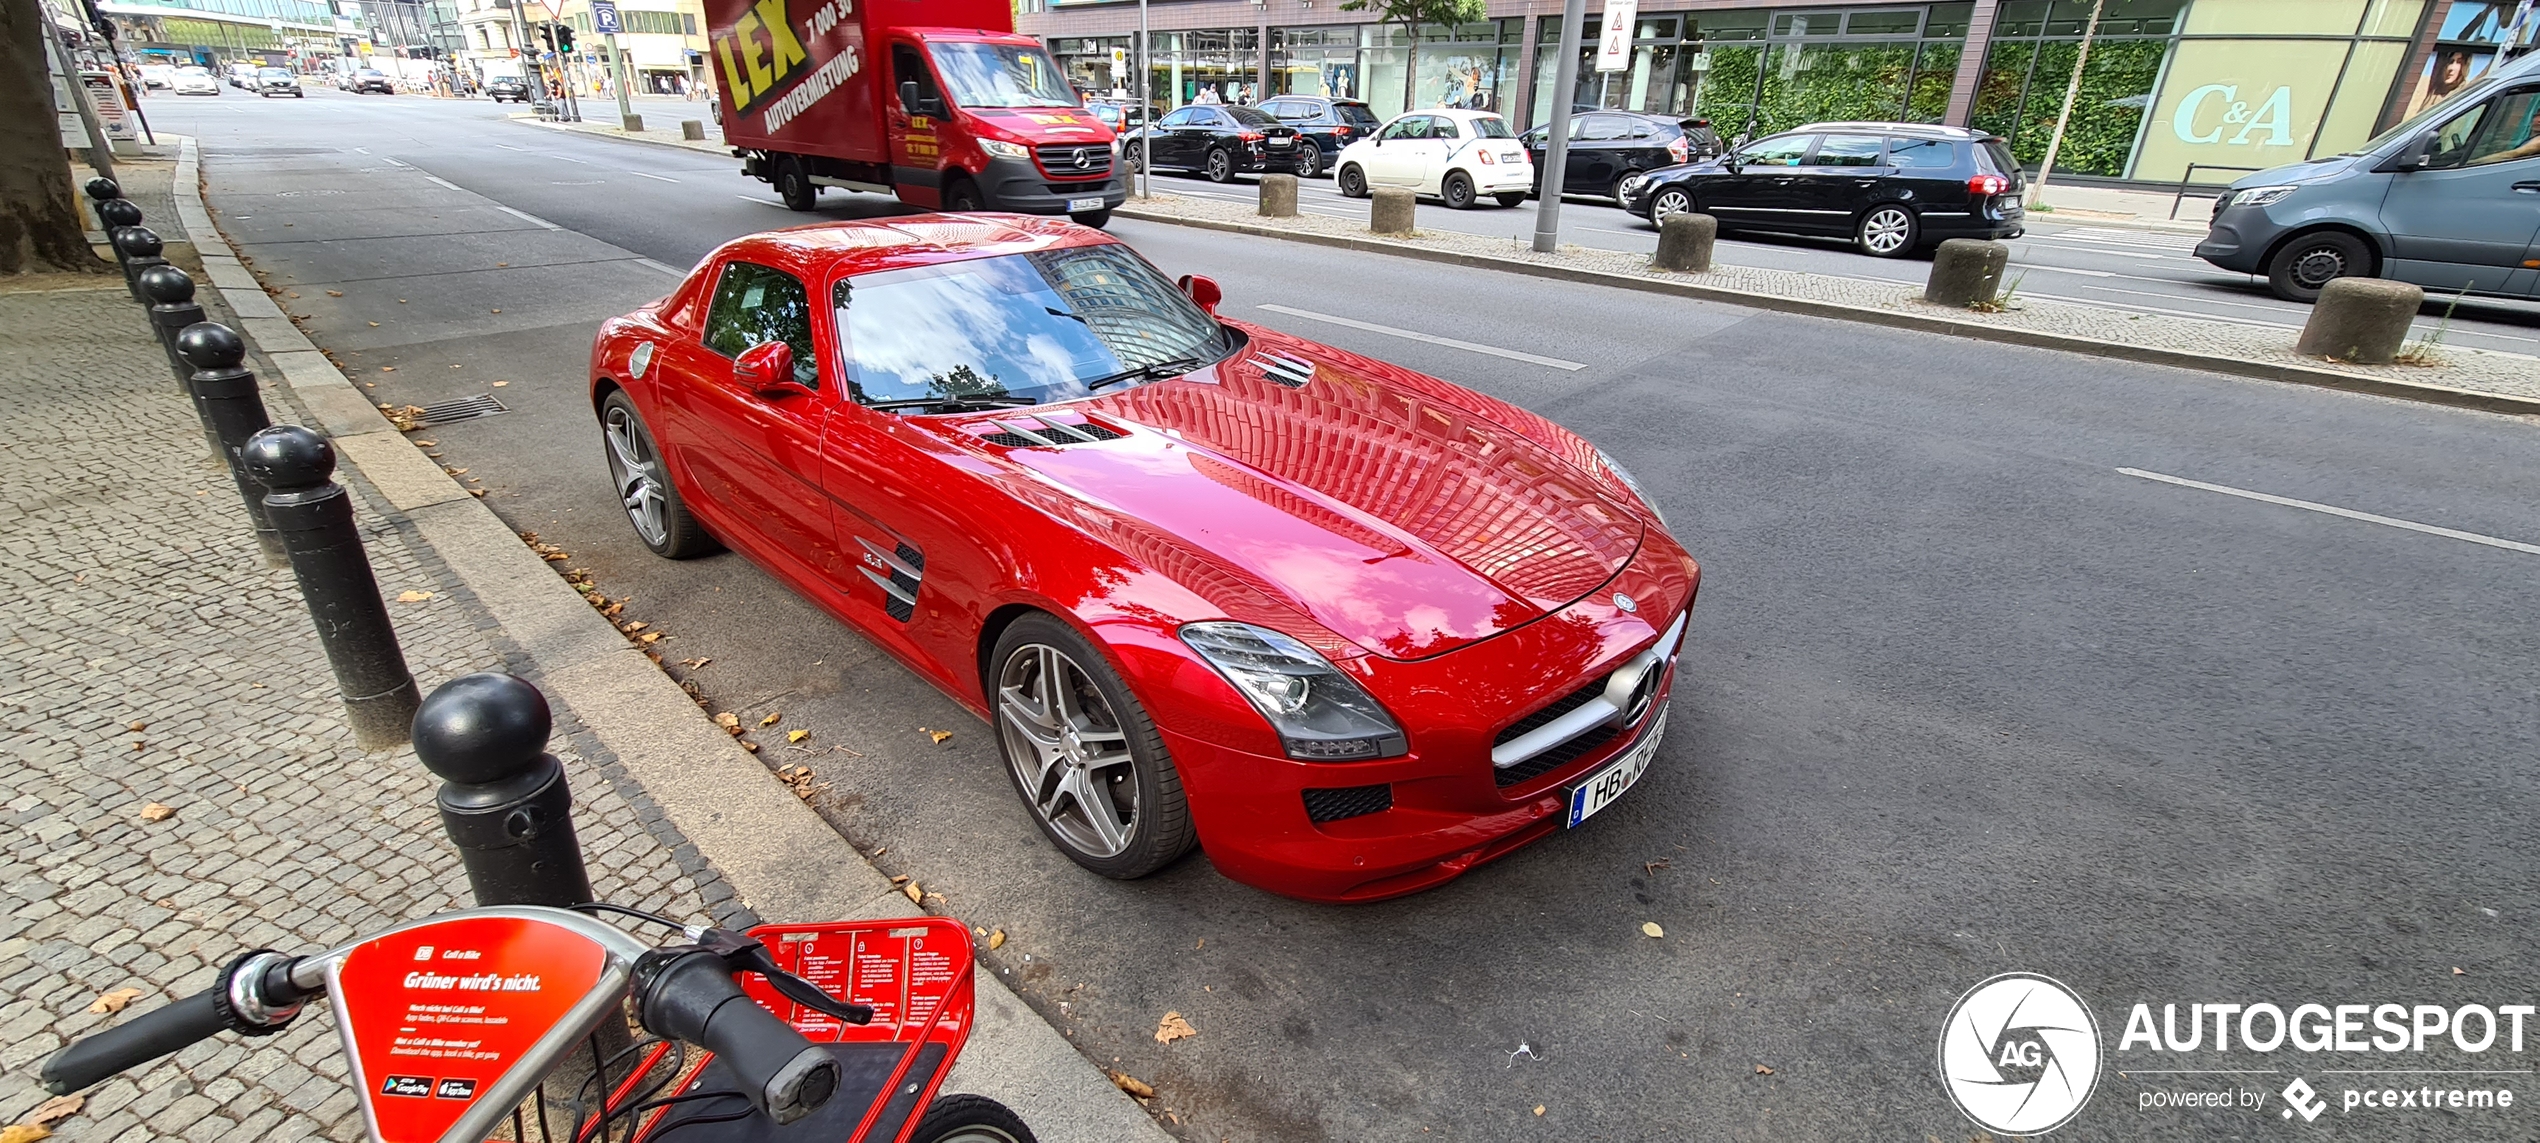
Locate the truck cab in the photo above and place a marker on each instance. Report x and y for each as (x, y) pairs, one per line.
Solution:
(990, 120)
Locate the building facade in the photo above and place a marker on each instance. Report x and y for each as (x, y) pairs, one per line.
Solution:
(2171, 89)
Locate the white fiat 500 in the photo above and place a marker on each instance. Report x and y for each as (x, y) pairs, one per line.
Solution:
(1459, 157)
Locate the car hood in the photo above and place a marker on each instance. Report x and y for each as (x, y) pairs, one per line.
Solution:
(1395, 518)
(2315, 170)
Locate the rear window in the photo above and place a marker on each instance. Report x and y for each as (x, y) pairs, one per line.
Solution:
(1249, 117)
(1996, 158)
(1492, 127)
(1355, 114)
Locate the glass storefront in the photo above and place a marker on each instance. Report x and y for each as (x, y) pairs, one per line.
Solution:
(1461, 66)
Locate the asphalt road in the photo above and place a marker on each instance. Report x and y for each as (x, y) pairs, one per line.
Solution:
(1962, 697)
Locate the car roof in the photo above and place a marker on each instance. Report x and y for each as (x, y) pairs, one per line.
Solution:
(1931, 130)
(824, 250)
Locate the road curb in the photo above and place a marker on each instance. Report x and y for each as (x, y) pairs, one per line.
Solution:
(2477, 399)
(717, 149)
(782, 860)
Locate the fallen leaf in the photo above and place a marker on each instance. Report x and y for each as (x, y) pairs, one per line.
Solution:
(895, 880)
(649, 637)
(938, 898)
(501, 264)
(750, 746)
(138, 727)
(155, 812)
(938, 735)
(2459, 972)
(290, 293)
(428, 444)
(500, 384)
(1132, 1085)
(401, 301)
(56, 1109)
(1538, 1109)
(772, 719)
(387, 368)
(728, 721)
(1761, 1070)
(498, 311)
(796, 735)
(996, 940)
(24, 1133)
(374, 325)
(639, 625)
(114, 1001)
(335, 293)
(479, 493)
(413, 596)
(456, 471)
(1172, 1028)
(1651, 929)
(693, 664)
(916, 896)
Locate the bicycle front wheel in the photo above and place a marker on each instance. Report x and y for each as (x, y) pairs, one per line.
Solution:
(970, 1119)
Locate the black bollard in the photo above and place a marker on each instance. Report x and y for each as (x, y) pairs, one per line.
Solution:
(172, 309)
(315, 517)
(504, 802)
(102, 190)
(225, 397)
(139, 248)
(116, 212)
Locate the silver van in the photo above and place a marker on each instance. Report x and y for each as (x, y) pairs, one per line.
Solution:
(2449, 200)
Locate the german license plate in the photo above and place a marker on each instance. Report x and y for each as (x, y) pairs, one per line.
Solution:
(1602, 788)
(1281, 144)
(1075, 205)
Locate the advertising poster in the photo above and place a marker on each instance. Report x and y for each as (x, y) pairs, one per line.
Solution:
(2472, 31)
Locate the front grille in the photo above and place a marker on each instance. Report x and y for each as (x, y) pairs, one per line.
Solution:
(1062, 159)
(1567, 703)
(1347, 802)
(1557, 757)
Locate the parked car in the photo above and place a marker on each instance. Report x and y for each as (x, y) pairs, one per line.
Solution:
(1458, 157)
(2449, 200)
(240, 75)
(509, 87)
(1892, 188)
(1216, 140)
(371, 79)
(195, 81)
(1211, 584)
(1327, 124)
(272, 81)
(1117, 114)
(1611, 148)
(158, 75)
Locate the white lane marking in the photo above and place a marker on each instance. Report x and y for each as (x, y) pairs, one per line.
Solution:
(1624, 233)
(509, 147)
(649, 264)
(642, 175)
(2065, 270)
(1433, 339)
(437, 180)
(760, 201)
(361, 150)
(2333, 510)
(525, 216)
(569, 159)
(2102, 250)
(393, 162)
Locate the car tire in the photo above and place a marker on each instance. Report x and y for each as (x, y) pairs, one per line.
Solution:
(1129, 152)
(1310, 163)
(1615, 191)
(1512, 199)
(794, 185)
(1457, 191)
(1887, 230)
(1093, 218)
(1672, 200)
(1047, 754)
(1353, 182)
(1219, 166)
(2299, 269)
(971, 1119)
(962, 195)
(642, 480)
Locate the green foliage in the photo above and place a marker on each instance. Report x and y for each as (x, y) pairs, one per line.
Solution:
(1827, 82)
(1935, 72)
(1997, 105)
(2115, 87)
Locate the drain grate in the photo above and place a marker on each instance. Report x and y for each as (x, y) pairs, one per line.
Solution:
(460, 409)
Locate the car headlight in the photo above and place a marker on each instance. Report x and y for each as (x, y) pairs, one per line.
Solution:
(1623, 474)
(2261, 196)
(1004, 150)
(1321, 714)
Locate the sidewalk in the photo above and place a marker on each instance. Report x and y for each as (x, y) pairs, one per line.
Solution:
(2143, 210)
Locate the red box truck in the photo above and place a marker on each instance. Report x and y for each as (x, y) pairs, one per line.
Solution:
(936, 101)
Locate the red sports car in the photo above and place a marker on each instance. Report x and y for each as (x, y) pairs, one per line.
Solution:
(1350, 629)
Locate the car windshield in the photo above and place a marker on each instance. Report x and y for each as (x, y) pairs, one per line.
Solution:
(1041, 327)
(1001, 75)
(272, 72)
(370, 71)
(192, 71)
(2441, 110)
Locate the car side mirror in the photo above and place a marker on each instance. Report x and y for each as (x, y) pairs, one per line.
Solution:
(908, 97)
(1203, 291)
(767, 368)
(2414, 157)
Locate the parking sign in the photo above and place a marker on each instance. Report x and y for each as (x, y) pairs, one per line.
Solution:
(604, 17)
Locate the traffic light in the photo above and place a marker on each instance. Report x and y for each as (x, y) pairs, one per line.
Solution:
(547, 36)
(564, 39)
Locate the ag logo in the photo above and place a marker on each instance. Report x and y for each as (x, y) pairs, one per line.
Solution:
(2020, 1054)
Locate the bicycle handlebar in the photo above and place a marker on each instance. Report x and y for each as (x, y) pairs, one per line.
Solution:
(91, 1059)
(689, 994)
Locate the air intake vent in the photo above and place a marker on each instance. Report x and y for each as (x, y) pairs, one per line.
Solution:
(1289, 371)
(1049, 434)
(1347, 802)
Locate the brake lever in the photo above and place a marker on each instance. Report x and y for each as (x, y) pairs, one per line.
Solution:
(746, 954)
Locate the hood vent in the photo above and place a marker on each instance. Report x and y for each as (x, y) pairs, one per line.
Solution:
(1041, 432)
(1292, 372)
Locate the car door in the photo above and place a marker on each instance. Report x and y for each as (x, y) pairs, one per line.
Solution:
(917, 149)
(1758, 189)
(2468, 219)
(1445, 136)
(1397, 151)
(1597, 144)
(756, 454)
(1839, 181)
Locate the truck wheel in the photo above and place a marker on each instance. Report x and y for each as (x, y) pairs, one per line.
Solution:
(1353, 181)
(2309, 263)
(793, 184)
(1093, 218)
(1221, 166)
(961, 194)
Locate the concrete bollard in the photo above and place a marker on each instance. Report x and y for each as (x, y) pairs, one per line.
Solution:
(1685, 240)
(232, 411)
(504, 802)
(172, 309)
(2363, 320)
(631, 121)
(138, 247)
(315, 517)
(1278, 196)
(1966, 272)
(1390, 211)
(692, 130)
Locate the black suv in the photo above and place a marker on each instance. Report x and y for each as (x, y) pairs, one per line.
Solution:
(1610, 148)
(1216, 140)
(1326, 124)
(509, 87)
(1892, 188)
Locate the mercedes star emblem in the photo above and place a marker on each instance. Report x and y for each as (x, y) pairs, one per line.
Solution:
(1625, 602)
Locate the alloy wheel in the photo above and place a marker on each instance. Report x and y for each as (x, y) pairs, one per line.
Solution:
(1221, 166)
(1068, 750)
(1886, 230)
(638, 474)
(1669, 202)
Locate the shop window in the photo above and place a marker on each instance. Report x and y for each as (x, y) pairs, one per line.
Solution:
(1808, 24)
(1893, 22)
(2116, 87)
(1935, 73)
(1949, 20)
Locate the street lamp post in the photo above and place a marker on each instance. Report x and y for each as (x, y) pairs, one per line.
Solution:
(1556, 150)
(1146, 112)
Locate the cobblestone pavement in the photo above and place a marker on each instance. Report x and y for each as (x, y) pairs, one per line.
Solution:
(149, 655)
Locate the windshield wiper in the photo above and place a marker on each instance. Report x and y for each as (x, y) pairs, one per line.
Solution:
(1170, 367)
(972, 401)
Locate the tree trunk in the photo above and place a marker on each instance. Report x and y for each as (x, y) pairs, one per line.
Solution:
(40, 224)
(1411, 69)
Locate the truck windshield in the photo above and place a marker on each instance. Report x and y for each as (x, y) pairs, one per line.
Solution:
(1035, 328)
(1001, 75)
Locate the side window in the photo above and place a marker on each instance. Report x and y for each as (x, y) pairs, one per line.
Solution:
(1596, 128)
(1780, 151)
(755, 304)
(1181, 118)
(1441, 127)
(908, 67)
(1407, 127)
(1922, 154)
(1849, 151)
(2512, 129)
(2450, 145)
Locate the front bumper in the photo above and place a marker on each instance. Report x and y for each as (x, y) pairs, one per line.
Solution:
(1019, 186)
(2238, 239)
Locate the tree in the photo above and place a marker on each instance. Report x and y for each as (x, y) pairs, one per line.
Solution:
(40, 224)
(1411, 14)
(2064, 117)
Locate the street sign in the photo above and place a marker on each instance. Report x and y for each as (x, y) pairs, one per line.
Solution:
(1614, 44)
(604, 17)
